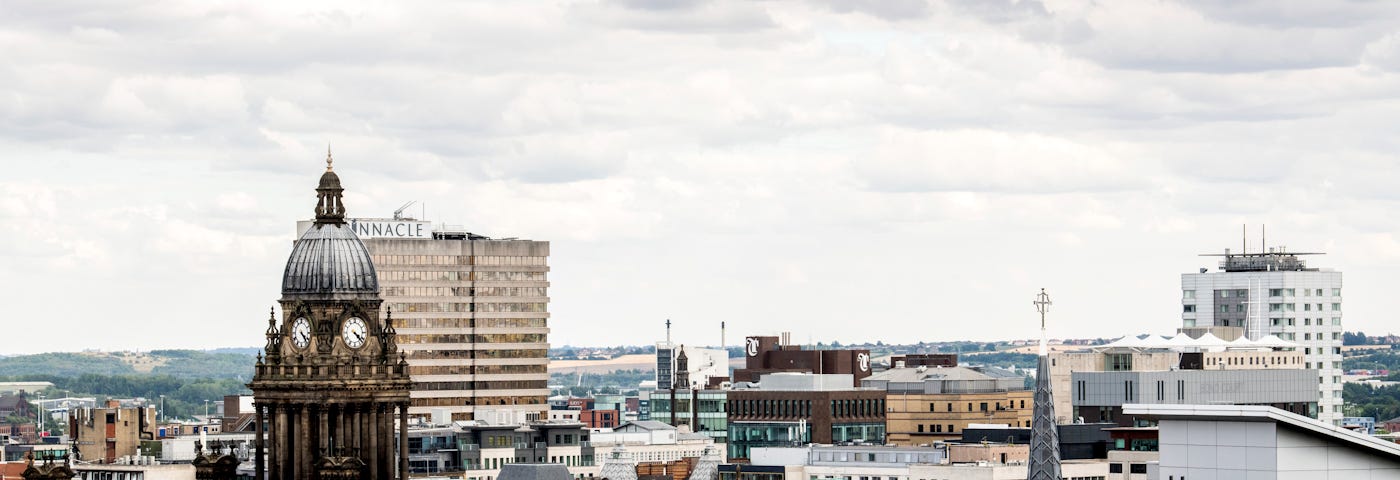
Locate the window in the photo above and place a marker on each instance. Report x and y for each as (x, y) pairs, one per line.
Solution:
(1336, 307)
(1115, 468)
(930, 407)
(1224, 294)
(921, 428)
(1336, 292)
(1188, 294)
(1188, 308)
(1137, 468)
(1275, 321)
(1307, 292)
(1275, 307)
(1241, 293)
(1287, 292)
(1307, 322)
(1336, 320)
(1224, 309)
(983, 406)
(1307, 307)
(1275, 292)
(1319, 292)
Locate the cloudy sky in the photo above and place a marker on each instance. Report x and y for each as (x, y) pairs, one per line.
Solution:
(896, 170)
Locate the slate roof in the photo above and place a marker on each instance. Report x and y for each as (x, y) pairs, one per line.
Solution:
(534, 471)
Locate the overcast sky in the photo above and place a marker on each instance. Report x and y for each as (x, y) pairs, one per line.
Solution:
(849, 170)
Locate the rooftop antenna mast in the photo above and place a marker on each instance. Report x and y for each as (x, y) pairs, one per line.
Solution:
(398, 214)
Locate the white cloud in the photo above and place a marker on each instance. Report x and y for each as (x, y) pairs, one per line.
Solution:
(795, 159)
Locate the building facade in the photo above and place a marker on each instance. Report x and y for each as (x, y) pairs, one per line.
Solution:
(473, 450)
(472, 313)
(765, 354)
(703, 411)
(104, 435)
(926, 405)
(1275, 293)
(1100, 396)
(797, 409)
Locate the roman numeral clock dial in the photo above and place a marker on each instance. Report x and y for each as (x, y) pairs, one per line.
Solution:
(354, 332)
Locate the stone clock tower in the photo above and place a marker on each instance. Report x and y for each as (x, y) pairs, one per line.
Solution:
(331, 378)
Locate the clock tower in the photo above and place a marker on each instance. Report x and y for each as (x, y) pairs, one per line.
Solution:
(331, 379)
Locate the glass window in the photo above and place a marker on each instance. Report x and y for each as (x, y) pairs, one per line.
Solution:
(1188, 308)
(1336, 292)
(1188, 294)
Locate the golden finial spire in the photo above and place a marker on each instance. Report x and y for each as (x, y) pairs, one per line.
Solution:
(328, 156)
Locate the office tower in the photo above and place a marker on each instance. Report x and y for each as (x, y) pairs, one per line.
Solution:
(1275, 293)
(472, 316)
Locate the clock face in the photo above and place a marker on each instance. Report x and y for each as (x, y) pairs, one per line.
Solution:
(354, 332)
(301, 332)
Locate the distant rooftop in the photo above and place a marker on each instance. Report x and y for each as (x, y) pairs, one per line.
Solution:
(1276, 259)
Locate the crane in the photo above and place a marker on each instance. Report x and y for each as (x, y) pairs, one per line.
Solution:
(398, 214)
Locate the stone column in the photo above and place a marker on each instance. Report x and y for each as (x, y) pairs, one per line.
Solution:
(323, 431)
(258, 467)
(374, 435)
(386, 440)
(364, 431)
(403, 441)
(337, 428)
(274, 435)
(305, 435)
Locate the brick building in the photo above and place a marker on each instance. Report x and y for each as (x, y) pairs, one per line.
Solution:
(796, 409)
(777, 355)
(103, 435)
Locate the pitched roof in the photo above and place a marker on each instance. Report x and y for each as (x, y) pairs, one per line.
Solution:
(647, 425)
(534, 471)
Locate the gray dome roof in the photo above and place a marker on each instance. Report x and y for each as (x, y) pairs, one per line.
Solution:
(329, 259)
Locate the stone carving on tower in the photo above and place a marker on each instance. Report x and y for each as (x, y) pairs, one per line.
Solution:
(1045, 436)
(331, 379)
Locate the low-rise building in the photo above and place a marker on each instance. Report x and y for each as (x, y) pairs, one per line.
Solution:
(789, 409)
(103, 435)
(702, 411)
(1249, 441)
(1100, 396)
(475, 450)
(652, 441)
(926, 405)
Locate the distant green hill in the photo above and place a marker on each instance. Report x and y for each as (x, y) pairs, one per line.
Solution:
(175, 363)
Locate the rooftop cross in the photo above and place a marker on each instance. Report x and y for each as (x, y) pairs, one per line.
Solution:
(1042, 305)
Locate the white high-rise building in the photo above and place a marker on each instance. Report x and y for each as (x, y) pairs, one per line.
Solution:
(1275, 293)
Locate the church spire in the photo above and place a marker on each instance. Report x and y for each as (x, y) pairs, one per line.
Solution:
(1045, 435)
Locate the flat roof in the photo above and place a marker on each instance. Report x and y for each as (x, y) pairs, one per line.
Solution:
(1258, 413)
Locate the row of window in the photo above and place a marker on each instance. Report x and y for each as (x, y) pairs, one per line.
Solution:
(869, 407)
(458, 260)
(463, 291)
(475, 369)
(1273, 307)
(494, 385)
(409, 339)
(479, 400)
(444, 307)
(1278, 322)
(458, 276)
(1273, 292)
(983, 406)
(471, 323)
(494, 353)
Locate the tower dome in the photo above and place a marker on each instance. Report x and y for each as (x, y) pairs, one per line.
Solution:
(329, 258)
